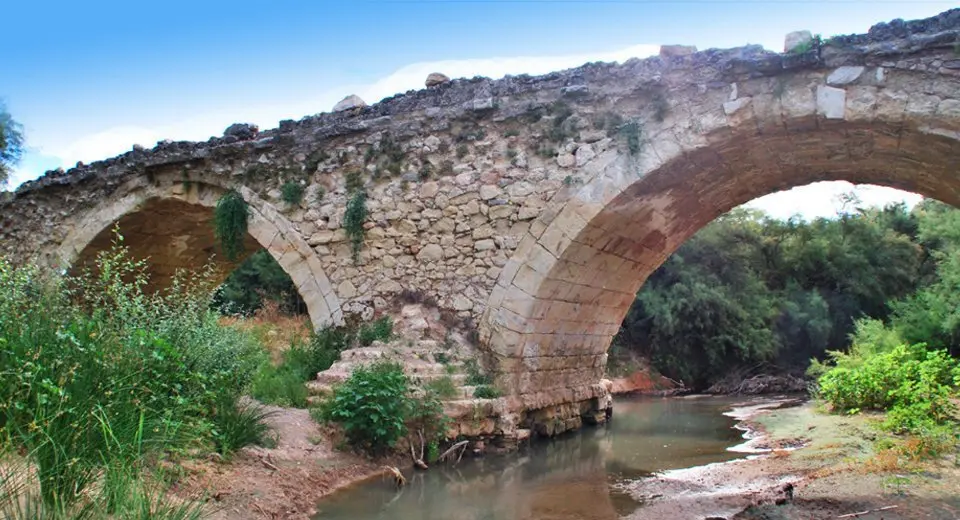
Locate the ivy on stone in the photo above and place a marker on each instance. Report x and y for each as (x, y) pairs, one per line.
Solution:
(353, 219)
(230, 223)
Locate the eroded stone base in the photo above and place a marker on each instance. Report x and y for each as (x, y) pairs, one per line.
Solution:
(507, 422)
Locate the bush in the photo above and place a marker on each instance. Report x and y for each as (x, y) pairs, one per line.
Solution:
(291, 192)
(475, 376)
(100, 374)
(284, 385)
(486, 392)
(371, 406)
(380, 330)
(442, 387)
(915, 385)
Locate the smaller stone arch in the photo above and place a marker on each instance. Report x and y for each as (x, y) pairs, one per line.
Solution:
(158, 199)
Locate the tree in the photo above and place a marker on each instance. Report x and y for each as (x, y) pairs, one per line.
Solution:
(11, 144)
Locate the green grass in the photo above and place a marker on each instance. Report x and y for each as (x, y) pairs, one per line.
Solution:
(443, 387)
(292, 192)
(101, 375)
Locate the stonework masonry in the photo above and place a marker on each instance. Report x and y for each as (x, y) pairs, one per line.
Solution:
(533, 206)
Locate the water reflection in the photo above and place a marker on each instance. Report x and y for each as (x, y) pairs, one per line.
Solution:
(567, 478)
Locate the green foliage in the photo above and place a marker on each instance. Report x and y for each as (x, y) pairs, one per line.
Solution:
(236, 425)
(255, 281)
(284, 384)
(230, 223)
(353, 219)
(631, 133)
(372, 406)
(380, 330)
(475, 375)
(99, 374)
(443, 387)
(280, 385)
(292, 192)
(748, 290)
(486, 392)
(913, 384)
(11, 144)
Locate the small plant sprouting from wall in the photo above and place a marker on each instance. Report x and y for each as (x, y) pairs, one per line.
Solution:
(353, 219)
(292, 192)
(660, 107)
(230, 223)
(631, 132)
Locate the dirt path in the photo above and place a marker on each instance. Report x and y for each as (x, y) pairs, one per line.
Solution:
(282, 482)
(816, 466)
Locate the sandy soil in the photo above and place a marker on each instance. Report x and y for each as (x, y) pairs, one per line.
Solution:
(283, 482)
(811, 466)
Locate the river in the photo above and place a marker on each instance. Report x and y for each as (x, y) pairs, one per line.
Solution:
(571, 477)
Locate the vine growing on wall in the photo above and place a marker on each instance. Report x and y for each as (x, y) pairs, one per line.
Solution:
(353, 217)
(230, 223)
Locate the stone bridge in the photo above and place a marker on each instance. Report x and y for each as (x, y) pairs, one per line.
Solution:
(534, 206)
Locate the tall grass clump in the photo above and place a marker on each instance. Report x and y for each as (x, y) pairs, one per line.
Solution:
(102, 377)
(283, 384)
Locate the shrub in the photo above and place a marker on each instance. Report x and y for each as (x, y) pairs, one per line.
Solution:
(291, 192)
(380, 330)
(486, 392)
(230, 223)
(915, 385)
(371, 406)
(98, 373)
(443, 387)
(284, 385)
(475, 376)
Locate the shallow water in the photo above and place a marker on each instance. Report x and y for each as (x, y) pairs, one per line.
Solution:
(565, 478)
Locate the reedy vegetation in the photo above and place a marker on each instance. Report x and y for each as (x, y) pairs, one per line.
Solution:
(102, 379)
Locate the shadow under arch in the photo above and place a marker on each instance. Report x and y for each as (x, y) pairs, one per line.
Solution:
(564, 294)
(169, 222)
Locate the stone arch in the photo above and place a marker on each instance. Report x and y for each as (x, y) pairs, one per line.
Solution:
(564, 293)
(188, 241)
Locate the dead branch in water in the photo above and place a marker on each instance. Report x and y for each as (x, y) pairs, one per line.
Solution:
(418, 461)
(398, 477)
(867, 512)
(462, 446)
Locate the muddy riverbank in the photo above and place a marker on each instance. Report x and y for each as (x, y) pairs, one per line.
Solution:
(804, 465)
(791, 462)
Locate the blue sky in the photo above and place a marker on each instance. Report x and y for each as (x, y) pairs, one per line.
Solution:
(90, 79)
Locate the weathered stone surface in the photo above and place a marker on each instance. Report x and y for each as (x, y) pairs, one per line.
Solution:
(844, 75)
(436, 78)
(430, 253)
(796, 39)
(349, 103)
(831, 102)
(475, 193)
